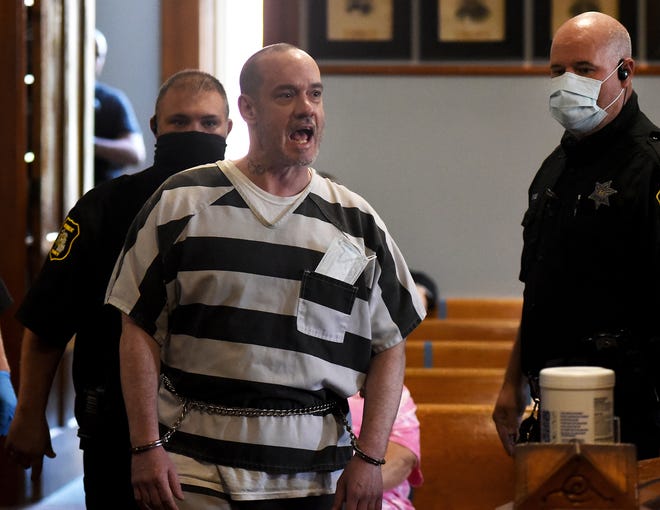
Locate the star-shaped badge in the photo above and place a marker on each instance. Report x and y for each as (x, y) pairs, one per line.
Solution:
(601, 194)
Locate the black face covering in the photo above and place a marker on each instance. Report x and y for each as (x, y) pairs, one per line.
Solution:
(178, 151)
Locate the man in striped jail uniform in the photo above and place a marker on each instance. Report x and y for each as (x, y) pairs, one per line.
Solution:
(257, 296)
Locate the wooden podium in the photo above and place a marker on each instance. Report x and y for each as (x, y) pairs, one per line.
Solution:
(648, 483)
(575, 475)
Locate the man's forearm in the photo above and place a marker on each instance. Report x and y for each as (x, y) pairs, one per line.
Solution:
(39, 362)
(381, 399)
(126, 150)
(140, 368)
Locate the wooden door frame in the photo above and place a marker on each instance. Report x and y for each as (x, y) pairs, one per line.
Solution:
(187, 32)
(51, 118)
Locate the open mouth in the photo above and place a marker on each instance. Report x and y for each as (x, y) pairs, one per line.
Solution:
(302, 136)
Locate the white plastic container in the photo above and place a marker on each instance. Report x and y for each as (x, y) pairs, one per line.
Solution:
(577, 403)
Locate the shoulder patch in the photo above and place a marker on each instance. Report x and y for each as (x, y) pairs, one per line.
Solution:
(62, 246)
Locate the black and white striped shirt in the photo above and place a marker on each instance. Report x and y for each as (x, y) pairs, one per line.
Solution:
(244, 320)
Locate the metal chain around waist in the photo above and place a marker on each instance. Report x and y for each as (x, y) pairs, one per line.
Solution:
(204, 407)
(207, 408)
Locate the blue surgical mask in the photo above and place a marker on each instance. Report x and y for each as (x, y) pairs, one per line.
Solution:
(573, 101)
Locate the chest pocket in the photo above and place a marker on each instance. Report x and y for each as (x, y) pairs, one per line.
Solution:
(324, 306)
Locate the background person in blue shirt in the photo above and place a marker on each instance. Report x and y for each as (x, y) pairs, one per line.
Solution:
(118, 140)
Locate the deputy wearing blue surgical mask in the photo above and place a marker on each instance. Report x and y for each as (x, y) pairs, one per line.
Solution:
(574, 100)
(590, 261)
(590, 82)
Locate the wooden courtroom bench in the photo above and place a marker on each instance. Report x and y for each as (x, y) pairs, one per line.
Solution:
(480, 308)
(463, 462)
(465, 329)
(454, 385)
(458, 353)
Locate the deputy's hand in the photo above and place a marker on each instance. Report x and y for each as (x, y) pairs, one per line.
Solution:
(507, 415)
(28, 441)
(155, 481)
(360, 487)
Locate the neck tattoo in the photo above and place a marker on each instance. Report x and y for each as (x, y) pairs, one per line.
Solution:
(255, 168)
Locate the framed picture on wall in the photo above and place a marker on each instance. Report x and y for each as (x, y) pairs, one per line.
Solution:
(359, 29)
(550, 14)
(652, 32)
(471, 29)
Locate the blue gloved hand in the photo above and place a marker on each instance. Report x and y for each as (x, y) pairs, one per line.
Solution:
(7, 402)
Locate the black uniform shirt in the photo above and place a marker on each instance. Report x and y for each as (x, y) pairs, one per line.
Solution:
(591, 239)
(67, 296)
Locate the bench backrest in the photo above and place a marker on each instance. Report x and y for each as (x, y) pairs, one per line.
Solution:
(465, 329)
(480, 308)
(458, 353)
(463, 462)
(454, 385)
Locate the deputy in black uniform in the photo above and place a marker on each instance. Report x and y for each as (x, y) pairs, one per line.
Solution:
(191, 123)
(591, 257)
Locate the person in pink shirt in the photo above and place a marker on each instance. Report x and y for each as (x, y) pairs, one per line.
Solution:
(401, 470)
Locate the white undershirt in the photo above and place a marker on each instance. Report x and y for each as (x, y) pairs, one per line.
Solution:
(269, 209)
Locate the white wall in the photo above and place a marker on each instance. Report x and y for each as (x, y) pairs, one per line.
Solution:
(445, 160)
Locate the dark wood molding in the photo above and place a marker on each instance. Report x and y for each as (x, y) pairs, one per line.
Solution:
(47, 117)
(13, 204)
(432, 70)
(281, 22)
(13, 181)
(455, 70)
(185, 31)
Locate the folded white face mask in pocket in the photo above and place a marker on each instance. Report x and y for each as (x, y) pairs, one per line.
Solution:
(343, 261)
